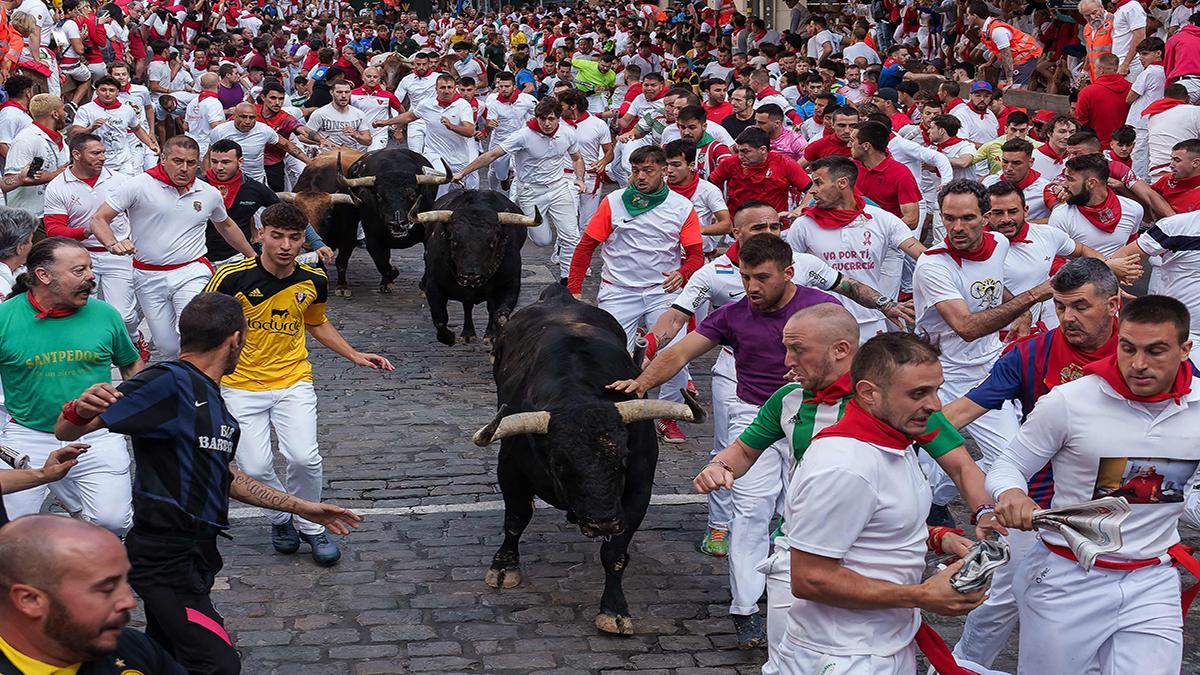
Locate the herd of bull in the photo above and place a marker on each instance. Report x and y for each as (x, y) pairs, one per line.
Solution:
(564, 437)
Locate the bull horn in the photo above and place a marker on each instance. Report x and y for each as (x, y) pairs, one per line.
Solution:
(448, 176)
(650, 409)
(439, 216)
(339, 198)
(503, 426)
(365, 181)
(521, 218)
(288, 197)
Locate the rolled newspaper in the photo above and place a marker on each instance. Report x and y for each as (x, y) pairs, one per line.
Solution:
(980, 562)
(1090, 528)
(13, 458)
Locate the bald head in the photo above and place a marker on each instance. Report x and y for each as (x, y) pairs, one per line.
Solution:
(39, 550)
(821, 341)
(209, 81)
(828, 322)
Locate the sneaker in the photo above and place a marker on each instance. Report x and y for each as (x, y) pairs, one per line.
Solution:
(716, 543)
(325, 551)
(143, 346)
(751, 632)
(939, 516)
(669, 431)
(691, 387)
(285, 538)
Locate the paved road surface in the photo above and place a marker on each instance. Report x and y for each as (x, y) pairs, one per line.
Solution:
(408, 595)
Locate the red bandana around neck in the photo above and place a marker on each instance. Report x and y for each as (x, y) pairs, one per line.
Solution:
(1104, 216)
(948, 142)
(987, 246)
(765, 92)
(447, 104)
(55, 136)
(159, 58)
(1050, 152)
(661, 93)
(1066, 363)
(732, 254)
(532, 124)
(952, 104)
(832, 219)
(227, 188)
(107, 106)
(1107, 368)
(1021, 236)
(833, 393)
(686, 189)
(157, 172)
(41, 313)
(15, 104)
(575, 122)
(1028, 179)
(1168, 187)
(422, 75)
(1161, 105)
(861, 425)
(207, 94)
(510, 99)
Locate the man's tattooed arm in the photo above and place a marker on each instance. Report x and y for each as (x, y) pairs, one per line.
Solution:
(249, 491)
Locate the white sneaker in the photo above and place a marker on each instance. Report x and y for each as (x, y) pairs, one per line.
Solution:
(309, 258)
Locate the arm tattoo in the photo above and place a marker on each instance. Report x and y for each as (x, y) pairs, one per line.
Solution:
(249, 491)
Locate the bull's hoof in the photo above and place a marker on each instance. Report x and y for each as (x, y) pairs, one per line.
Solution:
(387, 288)
(488, 340)
(502, 578)
(467, 336)
(445, 337)
(342, 292)
(614, 624)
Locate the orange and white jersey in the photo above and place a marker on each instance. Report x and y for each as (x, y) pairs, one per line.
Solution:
(639, 250)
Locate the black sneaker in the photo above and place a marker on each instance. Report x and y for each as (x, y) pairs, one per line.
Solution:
(285, 538)
(325, 551)
(751, 632)
(939, 516)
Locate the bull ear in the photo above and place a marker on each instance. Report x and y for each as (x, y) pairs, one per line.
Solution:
(503, 426)
(647, 409)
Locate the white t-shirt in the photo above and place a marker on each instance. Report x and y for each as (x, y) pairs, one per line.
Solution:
(33, 143)
(1129, 17)
(719, 283)
(816, 44)
(202, 115)
(1166, 129)
(857, 250)
(861, 49)
(45, 19)
(417, 88)
(1048, 166)
(1028, 264)
(137, 98)
(864, 505)
(537, 158)
(938, 278)
(442, 143)
(719, 133)
(70, 30)
(1174, 239)
(1149, 87)
(708, 201)
(115, 132)
(167, 227)
(510, 117)
(1068, 219)
(13, 121)
(336, 124)
(74, 199)
(1035, 197)
(254, 144)
(977, 128)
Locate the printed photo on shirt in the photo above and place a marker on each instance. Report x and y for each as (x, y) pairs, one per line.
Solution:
(1144, 480)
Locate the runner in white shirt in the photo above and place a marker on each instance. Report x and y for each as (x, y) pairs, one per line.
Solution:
(1148, 87)
(506, 112)
(253, 137)
(43, 140)
(379, 105)
(709, 202)
(854, 238)
(72, 64)
(339, 122)
(449, 131)
(205, 112)
(979, 123)
(113, 122)
(1016, 167)
(168, 210)
(542, 187)
(1128, 29)
(1130, 427)
(1173, 123)
(1176, 241)
(594, 140)
(416, 87)
(1050, 157)
(1094, 214)
(14, 114)
(72, 198)
(139, 99)
(943, 131)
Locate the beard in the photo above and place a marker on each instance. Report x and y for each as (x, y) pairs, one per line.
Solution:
(1079, 198)
(82, 640)
(59, 288)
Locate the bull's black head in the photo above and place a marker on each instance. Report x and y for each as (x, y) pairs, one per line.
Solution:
(397, 191)
(477, 243)
(588, 453)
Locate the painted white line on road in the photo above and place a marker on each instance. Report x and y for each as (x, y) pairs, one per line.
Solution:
(472, 507)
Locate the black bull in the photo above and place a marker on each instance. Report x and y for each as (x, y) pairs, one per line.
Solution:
(473, 241)
(568, 440)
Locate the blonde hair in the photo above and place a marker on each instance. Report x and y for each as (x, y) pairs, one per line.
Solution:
(43, 104)
(24, 23)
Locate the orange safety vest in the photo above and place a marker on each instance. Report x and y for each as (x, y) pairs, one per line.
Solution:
(1023, 46)
(1098, 41)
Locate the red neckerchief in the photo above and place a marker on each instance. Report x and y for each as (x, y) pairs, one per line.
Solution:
(661, 93)
(948, 142)
(1021, 236)
(157, 172)
(532, 124)
(1161, 105)
(1028, 179)
(951, 104)
(1065, 363)
(1107, 368)
(54, 135)
(12, 103)
(861, 425)
(765, 92)
(1169, 187)
(510, 100)
(575, 122)
(447, 104)
(40, 313)
(422, 75)
(1104, 216)
(987, 246)
(1050, 152)
(732, 253)
(207, 94)
(687, 189)
(832, 219)
(1122, 3)
(127, 88)
(90, 182)
(227, 188)
(833, 393)
(763, 33)
(159, 58)
(107, 106)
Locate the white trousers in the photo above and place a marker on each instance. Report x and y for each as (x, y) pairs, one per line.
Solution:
(797, 660)
(992, 432)
(292, 414)
(989, 625)
(1141, 153)
(724, 395)
(414, 134)
(1127, 622)
(560, 215)
(114, 281)
(588, 203)
(162, 297)
(757, 496)
(778, 569)
(99, 486)
(638, 307)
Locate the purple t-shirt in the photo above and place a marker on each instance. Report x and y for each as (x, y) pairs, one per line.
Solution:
(757, 341)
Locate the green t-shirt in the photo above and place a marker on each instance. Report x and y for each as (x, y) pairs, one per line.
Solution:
(46, 362)
(590, 76)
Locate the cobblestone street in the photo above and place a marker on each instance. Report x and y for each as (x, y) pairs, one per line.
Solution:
(408, 595)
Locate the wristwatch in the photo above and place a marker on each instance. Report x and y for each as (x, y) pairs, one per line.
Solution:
(884, 303)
